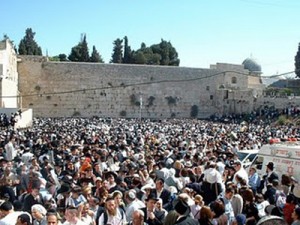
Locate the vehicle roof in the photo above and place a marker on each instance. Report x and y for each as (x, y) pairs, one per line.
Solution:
(249, 151)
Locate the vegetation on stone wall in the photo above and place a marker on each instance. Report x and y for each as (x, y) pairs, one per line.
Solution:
(76, 113)
(37, 88)
(171, 100)
(283, 120)
(274, 91)
(151, 101)
(194, 111)
(123, 113)
(134, 100)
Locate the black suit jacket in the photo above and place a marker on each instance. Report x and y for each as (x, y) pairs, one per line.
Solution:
(158, 220)
(165, 196)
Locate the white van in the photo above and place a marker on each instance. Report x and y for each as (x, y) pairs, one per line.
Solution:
(284, 155)
(247, 157)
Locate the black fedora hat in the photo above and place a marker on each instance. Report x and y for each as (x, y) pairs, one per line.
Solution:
(109, 174)
(181, 207)
(152, 196)
(65, 188)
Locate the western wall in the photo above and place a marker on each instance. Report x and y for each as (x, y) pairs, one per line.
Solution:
(64, 89)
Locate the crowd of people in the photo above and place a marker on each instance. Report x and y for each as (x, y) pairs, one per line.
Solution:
(96, 171)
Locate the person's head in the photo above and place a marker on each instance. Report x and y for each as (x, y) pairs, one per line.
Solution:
(159, 204)
(206, 213)
(151, 201)
(199, 200)
(181, 207)
(159, 183)
(270, 167)
(38, 212)
(229, 193)
(118, 197)
(138, 217)
(248, 195)
(76, 191)
(130, 196)
(6, 208)
(71, 214)
(218, 208)
(24, 219)
(52, 218)
(296, 214)
(240, 219)
(110, 206)
(252, 170)
(36, 185)
(272, 220)
(237, 165)
(86, 207)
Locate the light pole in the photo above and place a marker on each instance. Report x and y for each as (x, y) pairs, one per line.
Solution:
(141, 106)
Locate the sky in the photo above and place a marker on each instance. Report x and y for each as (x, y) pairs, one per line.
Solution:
(203, 32)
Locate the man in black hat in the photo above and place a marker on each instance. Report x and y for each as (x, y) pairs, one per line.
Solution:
(183, 210)
(269, 176)
(151, 216)
(34, 197)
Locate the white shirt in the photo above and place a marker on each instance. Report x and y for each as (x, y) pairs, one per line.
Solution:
(10, 151)
(10, 219)
(113, 220)
(136, 204)
(241, 173)
(79, 222)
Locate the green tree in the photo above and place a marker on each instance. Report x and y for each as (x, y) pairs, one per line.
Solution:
(80, 52)
(75, 54)
(84, 50)
(297, 62)
(28, 46)
(168, 53)
(128, 53)
(145, 55)
(95, 56)
(117, 54)
(62, 57)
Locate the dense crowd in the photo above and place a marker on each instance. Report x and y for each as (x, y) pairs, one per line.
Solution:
(76, 171)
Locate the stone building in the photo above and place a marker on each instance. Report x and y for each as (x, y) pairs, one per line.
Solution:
(8, 76)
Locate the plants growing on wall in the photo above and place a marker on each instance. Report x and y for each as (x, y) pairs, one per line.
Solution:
(134, 100)
(171, 100)
(123, 113)
(150, 101)
(37, 88)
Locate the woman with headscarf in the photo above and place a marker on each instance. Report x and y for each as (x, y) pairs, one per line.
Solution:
(38, 213)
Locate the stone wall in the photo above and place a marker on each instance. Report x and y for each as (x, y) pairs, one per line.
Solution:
(8, 75)
(59, 89)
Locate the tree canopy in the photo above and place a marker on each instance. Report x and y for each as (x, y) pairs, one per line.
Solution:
(95, 56)
(162, 53)
(297, 62)
(117, 55)
(158, 54)
(28, 46)
(80, 52)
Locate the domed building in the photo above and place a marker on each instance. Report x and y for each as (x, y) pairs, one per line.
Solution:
(251, 65)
